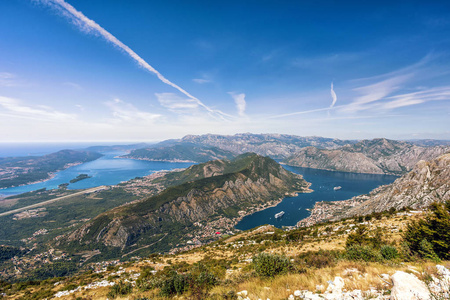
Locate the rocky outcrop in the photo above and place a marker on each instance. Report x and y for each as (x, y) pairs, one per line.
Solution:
(408, 287)
(428, 182)
(228, 187)
(378, 156)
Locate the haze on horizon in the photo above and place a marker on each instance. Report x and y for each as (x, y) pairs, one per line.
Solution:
(91, 70)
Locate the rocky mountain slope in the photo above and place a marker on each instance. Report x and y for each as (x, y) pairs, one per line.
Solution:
(219, 191)
(273, 145)
(181, 152)
(378, 156)
(429, 181)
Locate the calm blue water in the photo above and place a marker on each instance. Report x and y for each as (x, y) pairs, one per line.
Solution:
(106, 170)
(323, 182)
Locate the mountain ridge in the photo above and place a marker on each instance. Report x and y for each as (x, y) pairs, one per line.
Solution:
(377, 156)
(240, 185)
(427, 182)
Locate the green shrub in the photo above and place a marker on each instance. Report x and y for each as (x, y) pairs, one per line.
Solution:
(269, 265)
(361, 237)
(389, 252)
(430, 238)
(120, 289)
(318, 259)
(363, 253)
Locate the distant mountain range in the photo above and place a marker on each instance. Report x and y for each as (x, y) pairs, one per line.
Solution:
(217, 191)
(202, 148)
(181, 152)
(427, 182)
(377, 156)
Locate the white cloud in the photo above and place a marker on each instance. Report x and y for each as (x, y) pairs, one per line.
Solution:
(89, 26)
(433, 94)
(176, 103)
(239, 99)
(333, 96)
(14, 108)
(127, 112)
(375, 92)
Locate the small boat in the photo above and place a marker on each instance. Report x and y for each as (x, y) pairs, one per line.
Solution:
(337, 188)
(279, 215)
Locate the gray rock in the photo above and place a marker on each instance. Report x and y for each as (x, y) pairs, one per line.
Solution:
(408, 287)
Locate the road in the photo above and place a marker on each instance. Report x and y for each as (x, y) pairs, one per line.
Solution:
(14, 211)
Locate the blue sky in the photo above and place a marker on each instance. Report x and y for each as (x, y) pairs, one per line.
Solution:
(97, 70)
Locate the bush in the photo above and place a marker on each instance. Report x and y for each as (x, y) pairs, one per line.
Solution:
(361, 237)
(389, 252)
(363, 253)
(318, 259)
(196, 281)
(120, 289)
(269, 265)
(430, 238)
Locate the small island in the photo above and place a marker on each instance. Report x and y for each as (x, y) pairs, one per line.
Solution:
(80, 177)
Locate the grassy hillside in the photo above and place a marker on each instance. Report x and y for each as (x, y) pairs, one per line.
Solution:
(305, 259)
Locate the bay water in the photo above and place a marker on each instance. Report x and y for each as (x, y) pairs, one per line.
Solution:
(323, 183)
(107, 170)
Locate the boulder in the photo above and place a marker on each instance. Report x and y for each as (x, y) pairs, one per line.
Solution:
(408, 287)
(336, 286)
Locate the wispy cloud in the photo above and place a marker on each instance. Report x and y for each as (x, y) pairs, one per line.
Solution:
(177, 104)
(333, 96)
(241, 104)
(201, 80)
(14, 108)
(374, 92)
(89, 26)
(8, 79)
(402, 100)
(127, 112)
(73, 85)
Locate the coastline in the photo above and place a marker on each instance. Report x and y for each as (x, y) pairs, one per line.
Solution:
(50, 176)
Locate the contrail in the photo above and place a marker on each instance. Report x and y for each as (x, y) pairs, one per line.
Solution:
(86, 24)
(333, 95)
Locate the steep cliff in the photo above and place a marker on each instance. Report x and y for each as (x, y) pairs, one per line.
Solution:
(378, 156)
(429, 181)
(217, 189)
